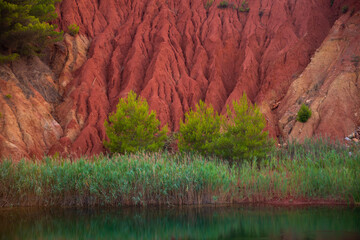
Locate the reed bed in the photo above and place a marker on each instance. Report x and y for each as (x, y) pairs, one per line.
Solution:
(314, 171)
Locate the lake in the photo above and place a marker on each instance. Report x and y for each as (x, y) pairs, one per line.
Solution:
(207, 222)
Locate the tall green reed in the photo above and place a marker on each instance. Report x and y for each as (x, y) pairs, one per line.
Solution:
(314, 170)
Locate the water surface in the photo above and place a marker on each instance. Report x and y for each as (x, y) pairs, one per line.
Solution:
(232, 222)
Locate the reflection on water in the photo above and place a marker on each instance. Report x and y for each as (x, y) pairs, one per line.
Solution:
(235, 222)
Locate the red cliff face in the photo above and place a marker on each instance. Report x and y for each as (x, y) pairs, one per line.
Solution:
(174, 53)
(330, 85)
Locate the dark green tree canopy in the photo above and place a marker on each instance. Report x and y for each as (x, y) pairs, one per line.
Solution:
(304, 114)
(24, 27)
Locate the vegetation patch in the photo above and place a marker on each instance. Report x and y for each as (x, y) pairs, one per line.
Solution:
(133, 127)
(315, 170)
(239, 136)
(304, 114)
(25, 28)
(209, 4)
(223, 4)
(200, 130)
(8, 58)
(73, 29)
(344, 9)
(244, 7)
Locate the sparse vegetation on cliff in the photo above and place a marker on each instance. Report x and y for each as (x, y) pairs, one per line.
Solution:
(209, 4)
(223, 4)
(344, 9)
(73, 29)
(244, 7)
(24, 28)
(8, 58)
(304, 114)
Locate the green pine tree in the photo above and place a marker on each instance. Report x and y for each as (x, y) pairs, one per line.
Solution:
(241, 136)
(24, 27)
(132, 128)
(200, 129)
(244, 136)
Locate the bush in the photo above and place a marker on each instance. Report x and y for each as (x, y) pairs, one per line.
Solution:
(132, 128)
(24, 27)
(244, 7)
(345, 8)
(304, 114)
(244, 136)
(8, 58)
(240, 137)
(241, 9)
(73, 29)
(200, 130)
(223, 4)
(208, 4)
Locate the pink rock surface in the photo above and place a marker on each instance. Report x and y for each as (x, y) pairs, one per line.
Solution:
(175, 53)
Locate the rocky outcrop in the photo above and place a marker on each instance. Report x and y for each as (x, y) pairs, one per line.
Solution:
(173, 53)
(31, 90)
(329, 85)
(27, 125)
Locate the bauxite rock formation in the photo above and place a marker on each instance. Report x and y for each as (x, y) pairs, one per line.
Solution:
(175, 53)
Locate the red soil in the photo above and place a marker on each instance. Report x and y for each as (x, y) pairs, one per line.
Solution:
(175, 53)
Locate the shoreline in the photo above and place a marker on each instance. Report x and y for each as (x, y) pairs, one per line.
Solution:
(278, 203)
(282, 204)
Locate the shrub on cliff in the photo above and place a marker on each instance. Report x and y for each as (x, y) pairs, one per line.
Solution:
(73, 29)
(208, 4)
(223, 4)
(304, 114)
(132, 128)
(241, 136)
(200, 130)
(24, 27)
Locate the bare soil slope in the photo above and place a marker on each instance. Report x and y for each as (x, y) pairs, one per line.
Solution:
(175, 53)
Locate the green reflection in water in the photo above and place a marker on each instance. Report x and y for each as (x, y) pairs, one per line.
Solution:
(235, 222)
